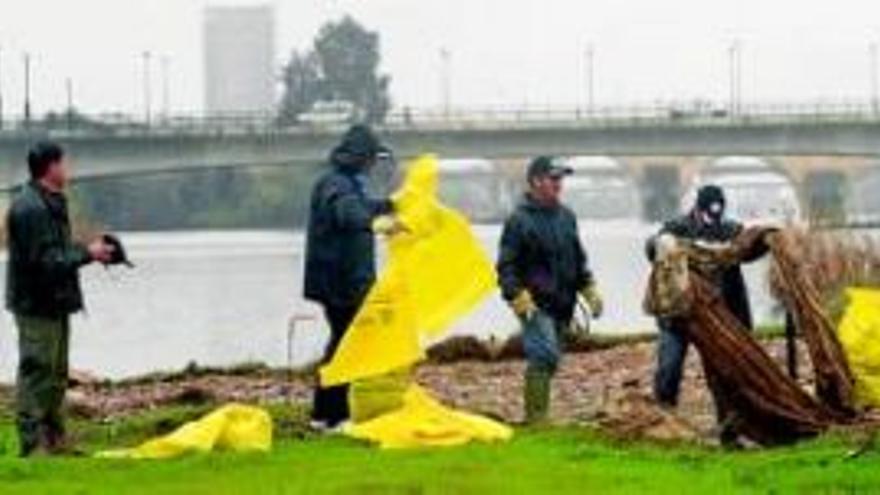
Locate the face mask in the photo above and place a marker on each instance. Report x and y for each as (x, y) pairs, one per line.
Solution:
(715, 212)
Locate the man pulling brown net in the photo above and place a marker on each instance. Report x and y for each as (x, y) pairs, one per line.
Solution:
(759, 400)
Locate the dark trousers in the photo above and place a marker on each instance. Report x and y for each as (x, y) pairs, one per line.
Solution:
(43, 346)
(672, 350)
(331, 403)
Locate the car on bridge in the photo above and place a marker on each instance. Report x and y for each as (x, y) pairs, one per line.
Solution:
(331, 113)
(601, 189)
(756, 190)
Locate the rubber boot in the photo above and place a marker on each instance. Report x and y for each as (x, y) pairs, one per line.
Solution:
(536, 396)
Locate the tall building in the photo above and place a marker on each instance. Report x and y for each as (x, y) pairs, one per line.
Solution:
(239, 45)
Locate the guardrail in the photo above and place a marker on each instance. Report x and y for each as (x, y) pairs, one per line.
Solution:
(698, 113)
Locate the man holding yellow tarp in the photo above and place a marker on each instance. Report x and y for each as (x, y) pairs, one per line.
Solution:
(542, 267)
(436, 272)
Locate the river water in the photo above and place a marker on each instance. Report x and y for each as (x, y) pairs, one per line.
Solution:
(221, 298)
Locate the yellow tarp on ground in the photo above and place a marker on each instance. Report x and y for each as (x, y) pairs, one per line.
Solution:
(233, 427)
(424, 422)
(859, 333)
(436, 272)
(371, 397)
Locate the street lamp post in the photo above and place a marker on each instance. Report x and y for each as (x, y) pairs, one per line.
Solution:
(735, 76)
(446, 81)
(68, 87)
(148, 96)
(27, 90)
(590, 56)
(872, 61)
(1, 89)
(166, 90)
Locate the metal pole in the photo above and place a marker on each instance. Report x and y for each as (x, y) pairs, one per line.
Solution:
(733, 55)
(590, 74)
(730, 81)
(578, 93)
(27, 90)
(147, 89)
(446, 81)
(872, 53)
(296, 319)
(738, 77)
(1, 89)
(68, 84)
(165, 88)
(791, 346)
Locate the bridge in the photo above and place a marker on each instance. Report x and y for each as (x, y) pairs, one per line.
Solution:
(799, 138)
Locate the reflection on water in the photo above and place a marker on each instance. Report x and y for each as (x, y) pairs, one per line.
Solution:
(221, 298)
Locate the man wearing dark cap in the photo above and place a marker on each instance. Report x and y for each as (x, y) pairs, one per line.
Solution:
(42, 291)
(706, 222)
(340, 261)
(542, 267)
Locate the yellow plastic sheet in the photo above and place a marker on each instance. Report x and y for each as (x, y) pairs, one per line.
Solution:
(233, 427)
(859, 333)
(437, 271)
(424, 422)
(371, 397)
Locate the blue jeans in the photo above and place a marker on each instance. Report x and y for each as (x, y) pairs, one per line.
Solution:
(541, 342)
(672, 347)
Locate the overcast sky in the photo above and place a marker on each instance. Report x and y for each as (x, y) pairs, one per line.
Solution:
(504, 52)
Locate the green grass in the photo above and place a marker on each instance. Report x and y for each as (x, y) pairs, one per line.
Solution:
(557, 461)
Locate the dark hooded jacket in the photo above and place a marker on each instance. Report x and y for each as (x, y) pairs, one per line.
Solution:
(541, 252)
(340, 247)
(43, 272)
(731, 282)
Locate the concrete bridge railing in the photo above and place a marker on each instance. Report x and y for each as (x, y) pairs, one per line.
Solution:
(126, 147)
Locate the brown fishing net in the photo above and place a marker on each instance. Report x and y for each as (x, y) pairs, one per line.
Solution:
(762, 402)
(834, 380)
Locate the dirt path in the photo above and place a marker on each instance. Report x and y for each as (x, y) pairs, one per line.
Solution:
(610, 387)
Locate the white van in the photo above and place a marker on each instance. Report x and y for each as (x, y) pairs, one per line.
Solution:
(601, 188)
(476, 188)
(756, 191)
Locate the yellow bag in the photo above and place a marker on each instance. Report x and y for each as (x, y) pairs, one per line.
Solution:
(424, 422)
(233, 427)
(437, 271)
(859, 334)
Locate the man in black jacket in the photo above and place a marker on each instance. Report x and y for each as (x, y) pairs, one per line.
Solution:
(42, 291)
(340, 251)
(706, 222)
(542, 267)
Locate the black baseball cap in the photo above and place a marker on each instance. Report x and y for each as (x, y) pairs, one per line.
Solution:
(547, 166)
(710, 195)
